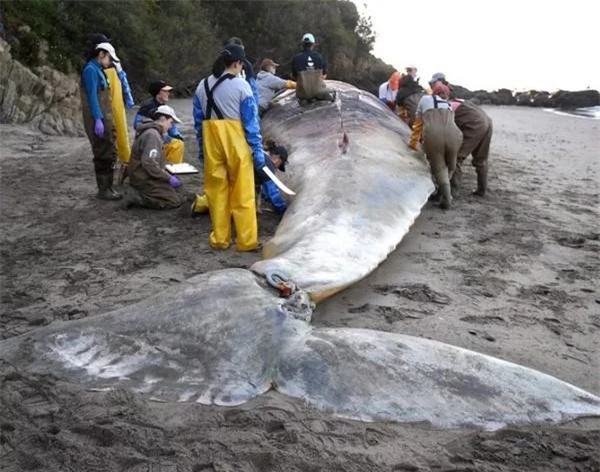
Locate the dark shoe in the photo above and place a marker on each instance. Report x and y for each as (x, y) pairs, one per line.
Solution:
(481, 181)
(132, 198)
(446, 196)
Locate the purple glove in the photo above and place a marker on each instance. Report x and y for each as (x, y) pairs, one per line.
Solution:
(99, 128)
(174, 182)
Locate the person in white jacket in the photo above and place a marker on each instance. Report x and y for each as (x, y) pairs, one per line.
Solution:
(269, 84)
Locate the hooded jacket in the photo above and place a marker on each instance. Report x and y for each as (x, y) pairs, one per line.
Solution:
(147, 160)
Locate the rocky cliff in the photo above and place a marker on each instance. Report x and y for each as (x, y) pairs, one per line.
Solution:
(42, 96)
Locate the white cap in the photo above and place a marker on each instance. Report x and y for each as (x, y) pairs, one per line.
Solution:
(110, 50)
(168, 111)
(308, 38)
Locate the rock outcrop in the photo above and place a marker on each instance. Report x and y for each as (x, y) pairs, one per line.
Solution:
(532, 98)
(43, 97)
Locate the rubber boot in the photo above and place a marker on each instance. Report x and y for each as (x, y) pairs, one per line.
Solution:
(481, 181)
(446, 196)
(105, 191)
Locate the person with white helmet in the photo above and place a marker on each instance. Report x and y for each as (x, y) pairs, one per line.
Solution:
(309, 70)
(98, 117)
(151, 186)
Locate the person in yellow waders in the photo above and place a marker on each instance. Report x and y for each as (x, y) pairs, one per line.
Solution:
(174, 149)
(230, 144)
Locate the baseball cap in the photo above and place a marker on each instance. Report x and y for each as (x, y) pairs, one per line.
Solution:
(234, 51)
(437, 76)
(308, 38)
(107, 47)
(266, 63)
(157, 86)
(167, 111)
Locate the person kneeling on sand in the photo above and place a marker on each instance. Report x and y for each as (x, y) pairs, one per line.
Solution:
(151, 186)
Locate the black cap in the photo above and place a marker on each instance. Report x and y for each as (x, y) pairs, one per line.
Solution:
(97, 38)
(157, 86)
(234, 52)
(283, 155)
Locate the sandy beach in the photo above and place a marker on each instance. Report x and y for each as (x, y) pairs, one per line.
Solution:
(513, 275)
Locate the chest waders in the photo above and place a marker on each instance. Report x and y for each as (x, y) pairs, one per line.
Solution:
(104, 149)
(441, 141)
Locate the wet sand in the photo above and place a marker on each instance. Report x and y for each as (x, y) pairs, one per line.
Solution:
(514, 275)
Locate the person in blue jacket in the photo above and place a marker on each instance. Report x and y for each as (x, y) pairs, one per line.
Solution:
(230, 144)
(174, 148)
(96, 104)
(268, 190)
(97, 38)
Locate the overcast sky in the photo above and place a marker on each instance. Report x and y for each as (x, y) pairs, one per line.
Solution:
(517, 44)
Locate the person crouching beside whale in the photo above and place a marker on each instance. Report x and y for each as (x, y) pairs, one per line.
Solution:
(98, 118)
(441, 137)
(477, 129)
(230, 144)
(151, 186)
(267, 191)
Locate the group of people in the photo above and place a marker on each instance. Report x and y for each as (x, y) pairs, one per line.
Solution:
(448, 129)
(227, 106)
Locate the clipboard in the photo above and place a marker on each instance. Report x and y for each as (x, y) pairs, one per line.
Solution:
(181, 169)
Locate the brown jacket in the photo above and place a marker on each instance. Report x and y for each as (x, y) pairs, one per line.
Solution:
(146, 169)
(476, 127)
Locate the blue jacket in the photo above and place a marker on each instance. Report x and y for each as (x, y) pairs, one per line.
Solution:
(94, 79)
(126, 88)
(271, 193)
(147, 109)
(248, 73)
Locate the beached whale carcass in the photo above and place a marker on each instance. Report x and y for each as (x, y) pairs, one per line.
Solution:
(225, 337)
